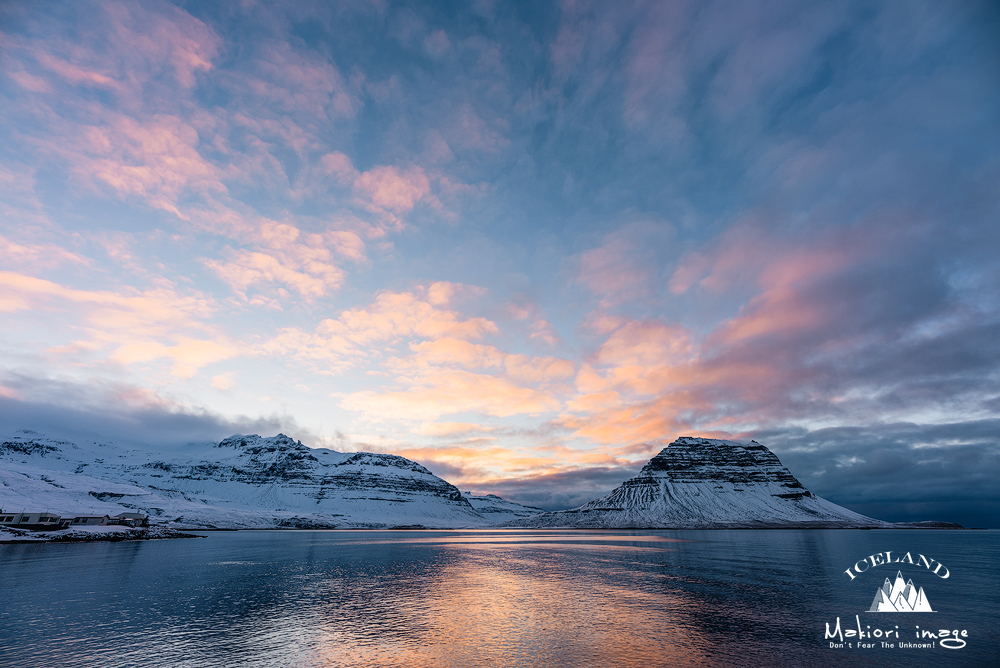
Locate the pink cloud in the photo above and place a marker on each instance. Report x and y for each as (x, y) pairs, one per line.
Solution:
(347, 244)
(524, 369)
(451, 391)
(451, 352)
(245, 268)
(446, 375)
(121, 48)
(393, 316)
(538, 370)
(187, 354)
(446, 371)
(224, 381)
(128, 328)
(391, 189)
(339, 165)
(781, 308)
(37, 255)
(646, 343)
(147, 144)
(363, 332)
(285, 255)
(623, 268)
(802, 318)
(539, 329)
(606, 269)
(736, 258)
(436, 149)
(153, 144)
(472, 132)
(640, 360)
(299, 82)
(479, 463)
(74, 74)
(448, 429)
(30, 82)
(156, 161)
(473, 463)
(171, 37)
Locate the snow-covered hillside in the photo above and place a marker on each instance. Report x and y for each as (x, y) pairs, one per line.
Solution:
(699, 483)
(496, 509)
(241, 482)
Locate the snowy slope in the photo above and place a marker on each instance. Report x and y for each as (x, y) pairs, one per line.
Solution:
(241, 482)
(497, 509)
(699, 483)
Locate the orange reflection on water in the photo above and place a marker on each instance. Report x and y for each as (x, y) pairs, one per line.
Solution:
(562, 538)
(509, 604)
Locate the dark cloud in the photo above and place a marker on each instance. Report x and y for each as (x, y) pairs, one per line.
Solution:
(900, 472)
(63, 409)
(897, 472)
(893, 329)
(566, 489)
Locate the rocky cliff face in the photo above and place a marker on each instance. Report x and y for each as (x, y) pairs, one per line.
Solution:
(241, 482)
(697, 483)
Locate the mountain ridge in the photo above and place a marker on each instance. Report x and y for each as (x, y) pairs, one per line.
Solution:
(243, 481)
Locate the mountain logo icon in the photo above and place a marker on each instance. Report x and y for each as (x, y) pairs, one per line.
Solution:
(900, 596)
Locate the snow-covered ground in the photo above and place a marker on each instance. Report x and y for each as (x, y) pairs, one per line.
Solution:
(497, 509)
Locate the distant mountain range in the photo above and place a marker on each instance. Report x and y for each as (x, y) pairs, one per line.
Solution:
(498, 510)
(240, 482)
(256, 482)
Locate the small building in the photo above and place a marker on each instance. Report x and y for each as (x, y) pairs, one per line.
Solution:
(31, 521)
(90, 521)
(131, 519)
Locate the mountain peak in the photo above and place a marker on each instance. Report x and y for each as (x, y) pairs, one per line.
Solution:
(708, 483)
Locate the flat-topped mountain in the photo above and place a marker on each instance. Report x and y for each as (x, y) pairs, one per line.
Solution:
(699, 483)
(240, 482)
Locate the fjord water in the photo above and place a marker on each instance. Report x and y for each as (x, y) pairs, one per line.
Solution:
(490, 598)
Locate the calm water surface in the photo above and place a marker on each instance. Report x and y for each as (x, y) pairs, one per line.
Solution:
(489, 598)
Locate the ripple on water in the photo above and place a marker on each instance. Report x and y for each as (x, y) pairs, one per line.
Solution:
(502, 598)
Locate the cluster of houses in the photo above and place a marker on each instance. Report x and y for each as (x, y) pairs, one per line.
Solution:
(49, 521)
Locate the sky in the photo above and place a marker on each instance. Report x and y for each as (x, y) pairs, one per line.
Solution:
(524, 244)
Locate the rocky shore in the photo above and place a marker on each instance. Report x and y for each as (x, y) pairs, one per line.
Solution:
(9, 535)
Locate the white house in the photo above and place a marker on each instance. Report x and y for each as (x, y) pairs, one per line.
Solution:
(33, 521)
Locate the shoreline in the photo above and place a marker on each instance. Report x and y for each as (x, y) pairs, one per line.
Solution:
(19, 537)
(22, 537)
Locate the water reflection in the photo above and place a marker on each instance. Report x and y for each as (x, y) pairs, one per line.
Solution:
(500, 598)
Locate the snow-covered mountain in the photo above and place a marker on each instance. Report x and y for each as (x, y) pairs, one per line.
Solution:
(241, 482)
(698, 483)
(497, 509)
